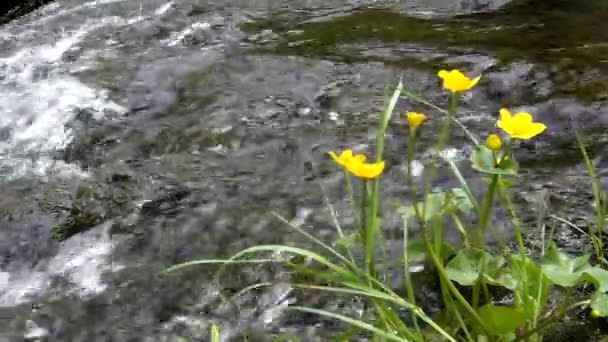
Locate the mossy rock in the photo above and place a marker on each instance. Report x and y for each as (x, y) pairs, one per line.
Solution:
(95, 202)
(78, 220)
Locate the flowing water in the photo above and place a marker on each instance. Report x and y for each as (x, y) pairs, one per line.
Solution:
(138, 134)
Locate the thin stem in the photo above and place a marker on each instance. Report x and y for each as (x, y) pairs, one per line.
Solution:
(410, 174)
(373, 210)
(444, 134)
(438, 242)
(363, 215)
(409, 288)
(439, 109)
(479, 241)
(351, 197)
(551, 319)
(484, 216)
(442, 273)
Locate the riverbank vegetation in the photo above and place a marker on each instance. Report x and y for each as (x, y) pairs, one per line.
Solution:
(489, 291)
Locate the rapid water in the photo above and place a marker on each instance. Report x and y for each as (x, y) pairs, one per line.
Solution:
(157, 130)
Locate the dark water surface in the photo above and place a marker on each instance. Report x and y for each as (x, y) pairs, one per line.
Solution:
(141, 134)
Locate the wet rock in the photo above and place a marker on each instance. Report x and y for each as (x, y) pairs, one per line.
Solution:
(167, 201)
(264, 37)
(78, 220)
(96, 202)
(5, 133)
(34, 333)
(12, 9)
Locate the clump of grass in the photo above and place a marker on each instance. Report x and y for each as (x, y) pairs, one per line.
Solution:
(475, 316)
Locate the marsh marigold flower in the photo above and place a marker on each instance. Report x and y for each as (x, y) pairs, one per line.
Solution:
(366, 170)
(493, 142)
(345, 157)
(356, 165)
(520, 125)
(455, 80)
(415, 119)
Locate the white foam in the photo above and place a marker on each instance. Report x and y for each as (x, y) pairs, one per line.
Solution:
(163, 9)
(81, 259)
(176, 38)
(38, 98)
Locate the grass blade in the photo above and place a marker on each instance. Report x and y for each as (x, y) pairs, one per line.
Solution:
(351, 321)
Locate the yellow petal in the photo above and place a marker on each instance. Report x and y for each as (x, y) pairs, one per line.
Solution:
(333, 156)
(415, 119)
(523, 118)
(493, 142)
(347, 154)
(505, 115)
(532, 130)
(474, 81)
(442, 74)
(359, 158)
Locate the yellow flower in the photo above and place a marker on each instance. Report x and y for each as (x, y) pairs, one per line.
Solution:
(365, 170)
(356, 164)
(455, 80)
(520, 125)
(415, 119)
(493, 142)
(346, 157)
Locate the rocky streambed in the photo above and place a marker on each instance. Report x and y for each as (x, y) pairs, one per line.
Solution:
(136, 135)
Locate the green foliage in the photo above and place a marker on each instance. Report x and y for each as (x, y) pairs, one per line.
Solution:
(503, 320)
(467, 266)
(484, 160)
(333, 269)
(599, 302)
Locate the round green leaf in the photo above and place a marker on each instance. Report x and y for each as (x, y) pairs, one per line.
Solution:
(483, 160)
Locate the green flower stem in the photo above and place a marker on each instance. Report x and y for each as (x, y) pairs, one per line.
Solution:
(457, 295)
(351, 198)
(480, 232)
(444, 135)
(407, 277)
(557, 315)
(373, 209)
(438, 243)
(410, 176)
(409, 289)
(419, 99)
(364, 195)
(484, 215)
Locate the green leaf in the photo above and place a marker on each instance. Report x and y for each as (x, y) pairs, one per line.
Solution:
(435, 203)
(530, 281)
(439, 203)
(563, 270)
(599, 302)
(598, 277)
(458, 200)
(347, 241)
(502, 319)
(416, 251)
(501, 277)
(215, 333)
(483, 160)
(466, 266)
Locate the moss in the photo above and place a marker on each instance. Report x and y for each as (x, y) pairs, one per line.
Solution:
(78, 220)
(541, 31)
(95, 202)
(194, 90)
(178, 140)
